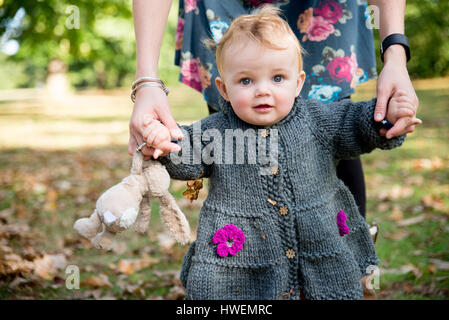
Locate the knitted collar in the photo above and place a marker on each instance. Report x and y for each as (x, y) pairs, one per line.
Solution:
(226, 108)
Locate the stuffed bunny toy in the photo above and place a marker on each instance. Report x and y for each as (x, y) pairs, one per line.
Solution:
(118, 207)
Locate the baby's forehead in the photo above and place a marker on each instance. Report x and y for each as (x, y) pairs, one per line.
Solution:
(238, 47)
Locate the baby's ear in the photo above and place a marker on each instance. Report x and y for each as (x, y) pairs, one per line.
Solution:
(221, 86)
(300, 82)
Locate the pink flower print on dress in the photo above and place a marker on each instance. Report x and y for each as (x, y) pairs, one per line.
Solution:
(190, 5)
(230, 240)
(179, 33)
(329, 10)
(319, 29)
(340, 69)
(191, 75)
(341, 223)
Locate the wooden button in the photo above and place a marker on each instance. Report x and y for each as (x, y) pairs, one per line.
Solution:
(265, 133)
(272, 202)
(283, 210)
(290, 253)
(275, 170)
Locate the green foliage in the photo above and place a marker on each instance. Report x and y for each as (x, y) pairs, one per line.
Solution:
(101, 52)
(427, 25)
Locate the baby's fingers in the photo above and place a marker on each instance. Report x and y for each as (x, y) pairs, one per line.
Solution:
(165, 148)
(400, 127)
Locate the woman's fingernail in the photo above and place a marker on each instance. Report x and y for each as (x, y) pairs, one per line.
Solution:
(177, 133)
(378, 116)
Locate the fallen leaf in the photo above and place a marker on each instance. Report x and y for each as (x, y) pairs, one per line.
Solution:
(176, 293)
(440, 264)
(403, 270)
(433, 202)
(51, 200)
(395, 192)
(100, 281)
(129, 266)
(396, 214)
(383, 206)
(397, 235)
(431, 164)
(431, 268)
(49, 264)
(17, 282)
(411, 221)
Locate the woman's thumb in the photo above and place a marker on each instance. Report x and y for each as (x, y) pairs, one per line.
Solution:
(383, 96)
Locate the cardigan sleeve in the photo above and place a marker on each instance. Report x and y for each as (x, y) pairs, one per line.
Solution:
(349, 128)
(187, 164)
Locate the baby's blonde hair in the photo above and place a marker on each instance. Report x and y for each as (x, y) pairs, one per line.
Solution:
(264, 26)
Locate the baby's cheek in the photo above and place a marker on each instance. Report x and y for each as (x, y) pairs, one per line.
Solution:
(241, 103)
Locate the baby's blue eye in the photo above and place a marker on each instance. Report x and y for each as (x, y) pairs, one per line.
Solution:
(245, 81)
(278, 78)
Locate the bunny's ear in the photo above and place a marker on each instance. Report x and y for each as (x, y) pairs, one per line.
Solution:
(141, 225)
(174, 219)
(136, 167)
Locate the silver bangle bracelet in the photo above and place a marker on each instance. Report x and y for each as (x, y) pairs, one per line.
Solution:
(146, 79)
(148, 84)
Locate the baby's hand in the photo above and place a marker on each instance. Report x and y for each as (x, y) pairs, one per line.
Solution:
(402, 114)
(157, 136)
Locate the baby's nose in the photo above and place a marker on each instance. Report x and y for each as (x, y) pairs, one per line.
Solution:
(262, 90)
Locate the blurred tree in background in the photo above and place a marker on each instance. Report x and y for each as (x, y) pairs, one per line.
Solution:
(101, 52)
(98, 49)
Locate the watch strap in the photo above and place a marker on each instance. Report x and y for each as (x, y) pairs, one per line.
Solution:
(395, 38)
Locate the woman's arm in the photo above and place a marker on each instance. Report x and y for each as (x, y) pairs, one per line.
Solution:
(150, 18)
(394, 74)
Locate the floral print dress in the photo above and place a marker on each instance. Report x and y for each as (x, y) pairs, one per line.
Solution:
(335, 34)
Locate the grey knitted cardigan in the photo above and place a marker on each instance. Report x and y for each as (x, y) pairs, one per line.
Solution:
(292, 241)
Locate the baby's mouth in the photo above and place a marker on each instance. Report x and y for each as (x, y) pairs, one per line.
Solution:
(263, 107)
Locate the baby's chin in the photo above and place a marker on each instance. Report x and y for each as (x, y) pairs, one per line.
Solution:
(262, 121)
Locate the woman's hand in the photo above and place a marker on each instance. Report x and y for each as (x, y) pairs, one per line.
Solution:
(394, 76)
(151, 103)
(401, 113)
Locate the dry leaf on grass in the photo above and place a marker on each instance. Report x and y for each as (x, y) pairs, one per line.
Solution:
(100, 281)
(49, 264)
(13, 264)
(403, 270)
(433, 202)
(395, 192)
(129, 266)
(440, 264)
(397, 235)
(431, 164)
(411, 221)
(176, 293)
(396, 214)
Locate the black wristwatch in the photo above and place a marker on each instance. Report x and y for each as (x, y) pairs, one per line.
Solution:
(395, 38)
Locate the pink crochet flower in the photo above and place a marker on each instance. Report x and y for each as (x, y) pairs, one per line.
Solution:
(341, 223)
(230, 240)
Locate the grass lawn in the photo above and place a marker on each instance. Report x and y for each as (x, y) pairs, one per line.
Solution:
(58, 156)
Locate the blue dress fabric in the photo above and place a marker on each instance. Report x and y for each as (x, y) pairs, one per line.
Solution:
(335, 34)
